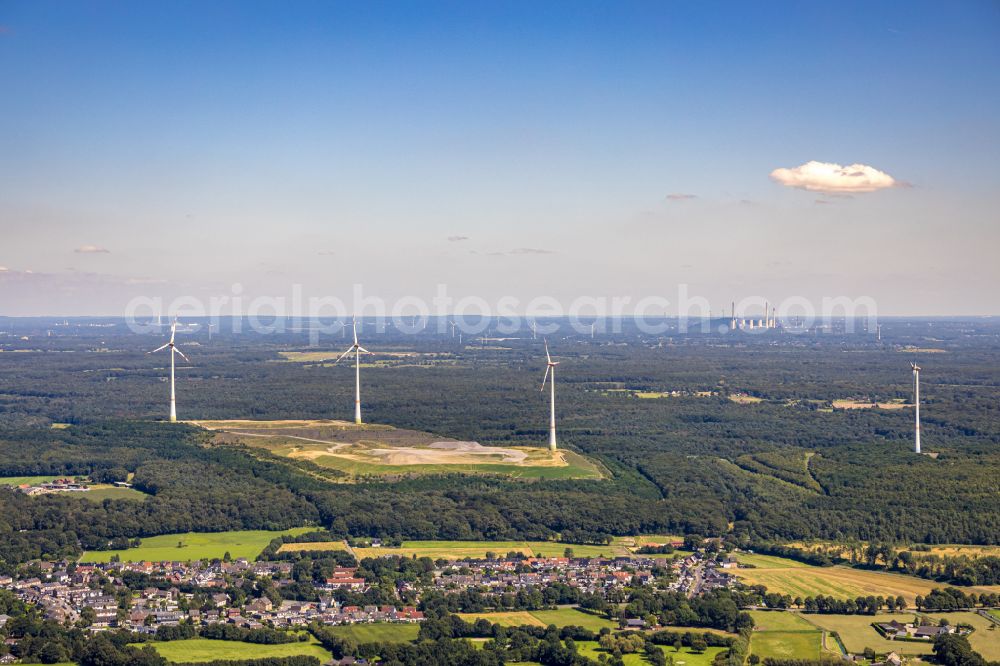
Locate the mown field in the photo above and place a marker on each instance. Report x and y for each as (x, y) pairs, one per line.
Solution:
(204, 649)
(99, 493)
(786, 576)
(194, 546)
(562, 617)
(25, 480)
(593, 650)
(312, 546)
(478, 549)
(379, 632)
(783, 635)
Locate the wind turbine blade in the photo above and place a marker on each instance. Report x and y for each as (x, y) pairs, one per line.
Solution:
(547, 357)
(355, 324)
(159, 348)
(343, 355)
(365, 351)
(173, 329)
(547, 368)
(182, 354)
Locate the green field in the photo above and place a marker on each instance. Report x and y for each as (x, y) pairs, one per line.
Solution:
(856, 632)
(786, 576)
(562, 617)
(99, 493)
(478, 549)
(26, 480)
(379, 632)
(784, 635)
(204, 649)
(685, 657)
(194, 546)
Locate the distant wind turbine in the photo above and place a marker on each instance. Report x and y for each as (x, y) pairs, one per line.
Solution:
(550, 366)
(916, 406)
(357, 349)
(173, 350)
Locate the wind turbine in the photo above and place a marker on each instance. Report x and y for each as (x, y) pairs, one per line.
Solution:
(916, 406)
(551, 366)
(173, 350)
(357, 349)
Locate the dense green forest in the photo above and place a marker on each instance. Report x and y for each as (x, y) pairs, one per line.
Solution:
(784, 467)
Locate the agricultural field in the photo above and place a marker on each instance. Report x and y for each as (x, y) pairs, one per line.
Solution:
(312, 546)
(101, 492)
(856, 632)
(562, 617)
(372, 450)
(379, 632)
(26, 480)
(685, 657)
(478, 549)
(984, 640)
(205, 649)
(786, 576)
(784, 635)
(194, 546)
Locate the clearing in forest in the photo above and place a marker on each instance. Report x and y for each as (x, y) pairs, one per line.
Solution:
(194, 546)
(380, 450)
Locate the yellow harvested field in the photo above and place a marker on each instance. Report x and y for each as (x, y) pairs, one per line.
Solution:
(743, 399)
(511, 619)
(312, 546)
(839, 581)
(858, 404)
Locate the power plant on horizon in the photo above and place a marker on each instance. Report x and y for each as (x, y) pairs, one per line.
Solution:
(769, 320)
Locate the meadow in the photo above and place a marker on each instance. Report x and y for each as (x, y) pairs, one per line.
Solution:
(204, 649)
(562, 617)
(856, 632)
(379, 632)
(479, 549)
(101, 492)
(25, 480)
(786, 576)
(685, 657)
(194, 546)
(784, 635)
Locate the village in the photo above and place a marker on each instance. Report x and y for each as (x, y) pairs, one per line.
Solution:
(104, 596)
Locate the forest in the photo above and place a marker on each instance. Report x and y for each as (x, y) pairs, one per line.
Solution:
(741, 436)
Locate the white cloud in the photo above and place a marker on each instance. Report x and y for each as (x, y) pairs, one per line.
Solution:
(680, 196)
(326, 253)
(834, 178)
(3, 269)
(92, 249)
(455, 239)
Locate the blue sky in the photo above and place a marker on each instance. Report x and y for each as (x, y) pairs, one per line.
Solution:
(332, 143)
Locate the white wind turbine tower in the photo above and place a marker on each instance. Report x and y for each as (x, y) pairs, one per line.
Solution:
(551, 367)
(916, 406)
(357, 349)
(173, 350)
